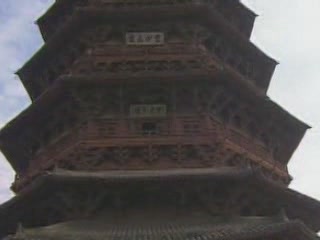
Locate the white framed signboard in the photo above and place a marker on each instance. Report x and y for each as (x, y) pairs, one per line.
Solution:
(144, 38)
(148, 110)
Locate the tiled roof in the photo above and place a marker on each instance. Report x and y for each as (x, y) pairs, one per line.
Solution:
(221, 228)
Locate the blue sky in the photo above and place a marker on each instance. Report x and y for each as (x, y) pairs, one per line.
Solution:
(286, 29)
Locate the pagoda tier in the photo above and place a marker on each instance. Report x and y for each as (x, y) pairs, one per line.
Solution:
(92, 124)
(196, 198)
(233, 12)
(94, 41)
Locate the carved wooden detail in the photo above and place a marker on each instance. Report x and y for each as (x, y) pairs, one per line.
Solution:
(156, 156)
(219, 103)
(182, 39)
(187, 48)
(205, 124)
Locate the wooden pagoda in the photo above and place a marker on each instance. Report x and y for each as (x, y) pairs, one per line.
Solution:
(150, 120)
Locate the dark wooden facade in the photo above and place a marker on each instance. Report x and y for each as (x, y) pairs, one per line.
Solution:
(152, 112)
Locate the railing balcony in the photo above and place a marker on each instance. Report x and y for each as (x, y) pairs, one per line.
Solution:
(180, 131)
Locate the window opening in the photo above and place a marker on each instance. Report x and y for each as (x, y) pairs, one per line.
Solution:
(149, 128)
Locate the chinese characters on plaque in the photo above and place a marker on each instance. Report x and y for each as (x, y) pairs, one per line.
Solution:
(144, 38)
(148, 110)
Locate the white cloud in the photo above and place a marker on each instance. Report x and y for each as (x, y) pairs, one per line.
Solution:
(6, 178)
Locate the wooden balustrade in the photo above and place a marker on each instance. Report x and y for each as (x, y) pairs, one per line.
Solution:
(58, 147)
(104, 133)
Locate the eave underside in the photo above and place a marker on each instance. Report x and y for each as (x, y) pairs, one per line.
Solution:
(234, 12)
(296, 205)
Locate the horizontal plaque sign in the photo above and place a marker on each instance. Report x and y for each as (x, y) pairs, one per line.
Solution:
(144, 38)
(148, 110)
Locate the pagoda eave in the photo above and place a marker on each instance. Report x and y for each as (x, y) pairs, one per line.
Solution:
(240, 10)
(296, 205)
(249, 10)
